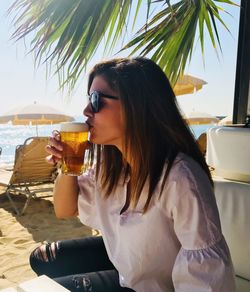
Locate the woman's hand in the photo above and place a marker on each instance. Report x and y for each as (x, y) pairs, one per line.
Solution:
(66, 190)
(54, 148)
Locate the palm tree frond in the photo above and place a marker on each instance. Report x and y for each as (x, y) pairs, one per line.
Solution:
(67, 34)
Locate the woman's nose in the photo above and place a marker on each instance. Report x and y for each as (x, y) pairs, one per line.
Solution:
(88, 111)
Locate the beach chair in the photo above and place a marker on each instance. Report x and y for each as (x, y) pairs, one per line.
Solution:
(202, 143)
(30, 172)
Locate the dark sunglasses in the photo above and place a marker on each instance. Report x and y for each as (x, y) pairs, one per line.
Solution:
(95, 100)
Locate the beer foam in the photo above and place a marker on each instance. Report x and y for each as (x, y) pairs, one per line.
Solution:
(74, 127)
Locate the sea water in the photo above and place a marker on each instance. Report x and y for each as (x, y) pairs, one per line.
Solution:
(11, 136)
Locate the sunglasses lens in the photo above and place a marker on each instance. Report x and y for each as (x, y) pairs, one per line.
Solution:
(94, 100)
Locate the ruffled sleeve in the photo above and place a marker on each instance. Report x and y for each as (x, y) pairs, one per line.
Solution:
(86, 199)
(203, 262)
(208, 269)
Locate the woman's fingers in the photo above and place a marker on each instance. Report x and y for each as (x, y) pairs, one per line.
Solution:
(55, 143)
(51, 159)
(54, 151)
(56, 134)
(54, 148)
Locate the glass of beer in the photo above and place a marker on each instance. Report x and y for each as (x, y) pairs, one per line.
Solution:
(74, 137)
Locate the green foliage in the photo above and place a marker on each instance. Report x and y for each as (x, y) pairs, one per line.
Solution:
(67, 33)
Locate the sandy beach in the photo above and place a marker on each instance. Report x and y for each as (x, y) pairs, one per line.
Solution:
(19, 235)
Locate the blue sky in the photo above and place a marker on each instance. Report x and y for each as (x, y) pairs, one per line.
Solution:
(21, 83)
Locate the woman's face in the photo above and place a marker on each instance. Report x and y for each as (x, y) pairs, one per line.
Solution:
(106, 126)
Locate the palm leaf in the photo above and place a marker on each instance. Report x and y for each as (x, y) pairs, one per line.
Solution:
(177, 25)
(67, 33)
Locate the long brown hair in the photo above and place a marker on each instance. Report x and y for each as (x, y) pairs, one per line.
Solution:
(154, 128)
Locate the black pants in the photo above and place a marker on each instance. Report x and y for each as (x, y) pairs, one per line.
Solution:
(78, 265)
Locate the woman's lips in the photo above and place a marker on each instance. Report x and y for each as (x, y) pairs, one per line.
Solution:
(91, 127)
(89, 124)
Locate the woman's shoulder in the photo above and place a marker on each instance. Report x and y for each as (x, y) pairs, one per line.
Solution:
(185, 166)
(187, 182)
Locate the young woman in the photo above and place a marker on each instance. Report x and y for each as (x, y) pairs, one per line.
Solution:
(149, 192)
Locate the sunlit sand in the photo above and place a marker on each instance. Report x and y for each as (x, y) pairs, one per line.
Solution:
(20, 235)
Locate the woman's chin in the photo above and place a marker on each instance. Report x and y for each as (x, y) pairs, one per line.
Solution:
(91, 137)
(94, 140)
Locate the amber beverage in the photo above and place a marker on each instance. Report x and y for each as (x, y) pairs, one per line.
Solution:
(75, 138)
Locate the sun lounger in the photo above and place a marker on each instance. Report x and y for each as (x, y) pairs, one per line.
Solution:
(202, 143)
(30, 172)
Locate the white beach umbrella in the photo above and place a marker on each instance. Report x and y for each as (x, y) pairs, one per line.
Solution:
(188, 84)
(228, 120)
(200, 118)
(34, 114)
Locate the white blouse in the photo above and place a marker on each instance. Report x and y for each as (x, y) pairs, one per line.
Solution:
(177, 245)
